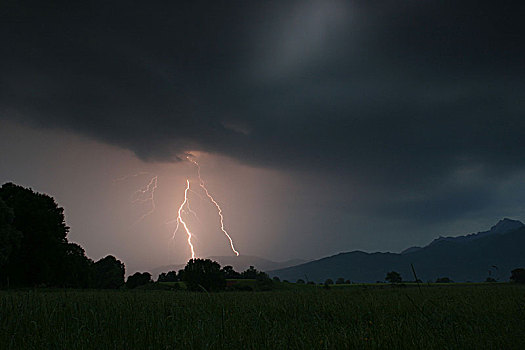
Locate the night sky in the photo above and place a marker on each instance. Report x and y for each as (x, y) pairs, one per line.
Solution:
(321, 126)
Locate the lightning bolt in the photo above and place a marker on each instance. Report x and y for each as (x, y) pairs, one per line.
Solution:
(181, 221)
(146, 194)
(219, 210)
(190, 210)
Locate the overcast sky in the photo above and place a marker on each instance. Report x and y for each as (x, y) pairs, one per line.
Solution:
(321, 126)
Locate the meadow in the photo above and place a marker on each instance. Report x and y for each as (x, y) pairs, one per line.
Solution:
(486, 316)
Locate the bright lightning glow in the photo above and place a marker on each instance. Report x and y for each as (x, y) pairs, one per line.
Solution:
(182, 222)
(146, 194)
(219, 210)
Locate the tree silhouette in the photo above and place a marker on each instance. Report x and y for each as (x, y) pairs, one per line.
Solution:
(138, 279)
(10, 237)
(393, 277)
(204, 274)
(34, 250)
(250, 273)
(77, 269)
(170, 276)
(36, 254)
(230, 273)
(108, 273)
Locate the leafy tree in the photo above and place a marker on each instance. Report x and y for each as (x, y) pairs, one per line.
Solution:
(490, 280)
(340, 280)
(230, 273)
(108, 273)
(34, 249)
(348, 282)
(328, 281)
(518, 275)
(170, 276)
(393, 277)
(250, 273)
(35, 253)
(162, 277)
(444, 280)
(262, 280)
(138, 279)
(276, 279)
(204, 274)
(10, 237)
(77, 269)
(300, 281)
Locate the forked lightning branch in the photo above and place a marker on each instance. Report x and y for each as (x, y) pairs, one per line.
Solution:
(147, 194)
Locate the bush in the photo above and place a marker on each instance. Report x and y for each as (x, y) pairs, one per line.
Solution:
(518, 275)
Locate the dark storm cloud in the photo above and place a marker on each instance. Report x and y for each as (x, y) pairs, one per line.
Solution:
(395, 93)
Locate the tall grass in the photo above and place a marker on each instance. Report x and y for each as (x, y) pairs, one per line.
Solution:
(437, 317)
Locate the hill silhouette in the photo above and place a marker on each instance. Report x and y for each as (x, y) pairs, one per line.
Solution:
(473, 257)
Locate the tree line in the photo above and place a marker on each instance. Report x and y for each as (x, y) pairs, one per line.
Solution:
(394, 277)
(205, 274)
(35, 252)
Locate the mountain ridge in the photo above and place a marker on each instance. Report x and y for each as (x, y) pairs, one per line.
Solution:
(492, 254)
(503, 226)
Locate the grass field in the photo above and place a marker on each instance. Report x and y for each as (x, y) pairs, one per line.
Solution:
(308, 317)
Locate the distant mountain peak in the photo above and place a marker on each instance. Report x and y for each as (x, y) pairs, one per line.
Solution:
(503, 226)
(506, 225)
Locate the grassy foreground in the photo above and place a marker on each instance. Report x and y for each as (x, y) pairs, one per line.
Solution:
(435, 317)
